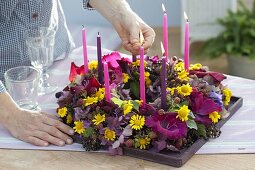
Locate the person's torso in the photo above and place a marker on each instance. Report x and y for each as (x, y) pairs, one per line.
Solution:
(31, 14)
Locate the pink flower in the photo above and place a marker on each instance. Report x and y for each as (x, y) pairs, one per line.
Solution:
(217, 77)
(112, 59)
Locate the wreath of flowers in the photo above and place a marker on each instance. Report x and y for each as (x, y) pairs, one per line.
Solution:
(196, 101)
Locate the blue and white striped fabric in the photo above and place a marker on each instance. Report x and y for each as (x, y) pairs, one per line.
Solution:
(17, 17)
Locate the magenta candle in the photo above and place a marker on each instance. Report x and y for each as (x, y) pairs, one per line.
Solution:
(85, 53)
(165, 31)
(186, 45)
(107, 83)
(142, 77)
(99, 59)
(163, 84)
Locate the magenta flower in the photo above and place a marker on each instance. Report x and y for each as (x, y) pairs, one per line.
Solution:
(74, 71)
(112, 59)
(217, 77)
(203, 106)
(167, 125)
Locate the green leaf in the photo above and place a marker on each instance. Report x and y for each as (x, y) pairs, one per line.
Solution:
(201, 130)
(135, 105)
(88, 132)
(191, 115)
(184, 103)
(117, 101)
(191, 124)
(134, 88)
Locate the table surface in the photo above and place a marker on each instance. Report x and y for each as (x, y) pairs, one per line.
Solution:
(242, 125)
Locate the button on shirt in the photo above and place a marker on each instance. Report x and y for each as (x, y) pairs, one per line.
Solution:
(16, 18)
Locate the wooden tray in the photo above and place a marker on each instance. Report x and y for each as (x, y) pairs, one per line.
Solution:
(177, 159)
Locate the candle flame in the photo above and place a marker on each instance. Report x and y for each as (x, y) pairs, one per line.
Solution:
(163, 8)
(141, 37)
(186, 17)
(162, 48)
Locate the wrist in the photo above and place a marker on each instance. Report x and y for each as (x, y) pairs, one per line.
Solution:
(7, 108)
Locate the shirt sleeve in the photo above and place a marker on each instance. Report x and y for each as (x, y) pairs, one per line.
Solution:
(6, 9)
(2, 88)
(86, 5)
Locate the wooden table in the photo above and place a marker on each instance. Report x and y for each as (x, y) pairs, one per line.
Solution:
(63, 160)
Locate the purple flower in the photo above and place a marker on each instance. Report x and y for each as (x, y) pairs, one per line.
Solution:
(80, 114)
(167, 125)
(217, 77)
(217, 98)
(112, 59)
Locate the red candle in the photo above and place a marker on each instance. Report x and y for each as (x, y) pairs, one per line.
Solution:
(85, 53)
(186, 45)
(165, 31)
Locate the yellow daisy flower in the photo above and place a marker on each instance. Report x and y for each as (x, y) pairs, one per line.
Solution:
(179, 67)
(78, 127)
(109, 135)
(125, 77)
(185, 90)
(98, 119)
(100, 94)
(196, 66)
(143, 142)
(90, 100)
(214, 116)
(93, 65)
(227, 96)
(127, 107)
(171, 90)
(62, 112)
(137, 63)
(69, 119)
(183, 113)
(183, 76)
(137, 122)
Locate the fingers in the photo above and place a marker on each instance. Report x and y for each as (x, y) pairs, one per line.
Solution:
(35, 141)
(134, 33)
(58, 124)
(48, 138)
(149, 36)
(56, 133)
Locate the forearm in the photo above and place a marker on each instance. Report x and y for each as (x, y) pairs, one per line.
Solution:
(7, 107)
(111, 9)
(6, 9)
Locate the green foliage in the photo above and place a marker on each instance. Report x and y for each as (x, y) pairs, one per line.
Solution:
(238, 36)
(191, 124)
(201, 130)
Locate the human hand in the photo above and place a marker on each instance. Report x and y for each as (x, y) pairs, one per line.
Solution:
(127, 24)
(38, 128)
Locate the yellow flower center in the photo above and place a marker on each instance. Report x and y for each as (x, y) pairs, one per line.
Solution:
(183, 113)
(214, 116)
(109, 134)
(125, 77)
(142, 141)
(93, 65)
(69, 119)
(62, 112)
(185, 90)
(90, 100)
(137, 122)
(78, 127)
(98, 119)
(127, 107)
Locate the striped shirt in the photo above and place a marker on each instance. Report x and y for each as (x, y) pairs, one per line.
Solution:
(17, 17)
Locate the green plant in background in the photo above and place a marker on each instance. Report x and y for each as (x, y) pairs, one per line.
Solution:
(238, 36)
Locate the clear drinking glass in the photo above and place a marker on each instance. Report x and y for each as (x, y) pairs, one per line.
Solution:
(22, 84)
(40, 44)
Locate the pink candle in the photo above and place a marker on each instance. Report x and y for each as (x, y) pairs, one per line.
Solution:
(186, 45)
(142, 77)
(85, 53)
(107, 83)
(165, 32)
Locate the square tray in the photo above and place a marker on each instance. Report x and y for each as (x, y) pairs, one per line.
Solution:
(177, 159)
